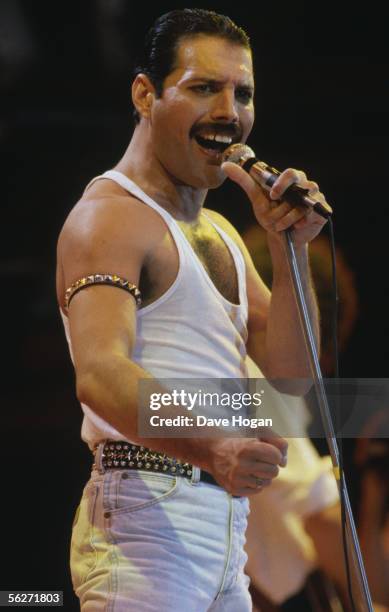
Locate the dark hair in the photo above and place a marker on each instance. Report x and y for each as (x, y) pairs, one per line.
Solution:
(161, 42)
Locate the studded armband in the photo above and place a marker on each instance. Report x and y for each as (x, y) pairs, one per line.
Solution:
(102, 279)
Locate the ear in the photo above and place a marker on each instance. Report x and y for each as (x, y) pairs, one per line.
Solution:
(143, 93)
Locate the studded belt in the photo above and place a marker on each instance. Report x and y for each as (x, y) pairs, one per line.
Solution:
(126, 456)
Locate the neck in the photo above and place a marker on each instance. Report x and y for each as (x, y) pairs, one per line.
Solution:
(139, 163)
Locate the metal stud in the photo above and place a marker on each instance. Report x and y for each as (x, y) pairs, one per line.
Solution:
(126, 455)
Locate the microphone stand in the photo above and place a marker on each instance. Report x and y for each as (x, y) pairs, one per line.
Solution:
(357, 571)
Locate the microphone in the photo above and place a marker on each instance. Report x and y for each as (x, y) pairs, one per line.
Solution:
(266, 176)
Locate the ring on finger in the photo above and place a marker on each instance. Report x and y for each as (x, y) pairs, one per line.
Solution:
(259, 482)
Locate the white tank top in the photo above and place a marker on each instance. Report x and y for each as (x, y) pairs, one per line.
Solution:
(191, 331)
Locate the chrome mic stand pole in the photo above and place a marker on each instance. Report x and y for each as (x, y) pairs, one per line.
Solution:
(358, 576)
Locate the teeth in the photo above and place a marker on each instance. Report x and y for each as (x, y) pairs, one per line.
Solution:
(208, 136)
(225, 139)
(217, 137)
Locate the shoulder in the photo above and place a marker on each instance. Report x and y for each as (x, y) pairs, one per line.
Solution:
(108, 212)
(108, 231)
(107, 217)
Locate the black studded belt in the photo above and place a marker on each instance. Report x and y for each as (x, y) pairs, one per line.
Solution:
(126, 456)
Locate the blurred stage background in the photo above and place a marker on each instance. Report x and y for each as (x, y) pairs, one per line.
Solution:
(322, 105)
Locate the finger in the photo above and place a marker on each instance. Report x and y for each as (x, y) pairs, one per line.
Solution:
(246, 491)
(292, 217)
(261, 469)
(269, 218)
(302, 223)
(277, 212)
(263, 452)
(312, 187)
(286, 179)
(272, 438)
(310, 220)
(255, 482)
(243, 179)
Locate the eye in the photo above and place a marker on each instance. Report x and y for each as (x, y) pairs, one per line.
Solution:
(204, 88)
(244, 95)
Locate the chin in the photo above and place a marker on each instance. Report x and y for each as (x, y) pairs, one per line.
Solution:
(213, 179)
(217, 183)
(217, 180)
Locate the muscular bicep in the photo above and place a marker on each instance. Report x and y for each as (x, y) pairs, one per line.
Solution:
(102, 323)
(100, 238)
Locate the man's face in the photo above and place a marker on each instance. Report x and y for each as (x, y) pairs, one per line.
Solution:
(206, 105)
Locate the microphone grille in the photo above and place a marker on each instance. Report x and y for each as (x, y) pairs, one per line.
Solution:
(238, 154)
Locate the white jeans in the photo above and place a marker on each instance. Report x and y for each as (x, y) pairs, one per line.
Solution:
(147, 542)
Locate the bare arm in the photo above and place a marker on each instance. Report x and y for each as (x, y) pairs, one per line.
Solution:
(286, 355)
(101, 237)
(276, 342)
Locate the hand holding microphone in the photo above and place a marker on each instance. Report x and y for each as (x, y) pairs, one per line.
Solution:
(294, 197)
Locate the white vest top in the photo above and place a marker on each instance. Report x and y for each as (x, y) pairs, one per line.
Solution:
(191, 331)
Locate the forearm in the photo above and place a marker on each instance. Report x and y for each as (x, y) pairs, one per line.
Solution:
(110, 387)
(286, 353)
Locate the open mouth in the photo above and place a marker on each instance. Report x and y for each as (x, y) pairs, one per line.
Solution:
(214, 144)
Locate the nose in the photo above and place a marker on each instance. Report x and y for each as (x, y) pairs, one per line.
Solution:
(224, 107)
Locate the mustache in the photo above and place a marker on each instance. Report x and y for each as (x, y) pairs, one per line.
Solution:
(222, 129)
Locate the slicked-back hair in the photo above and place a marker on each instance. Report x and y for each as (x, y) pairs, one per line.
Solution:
(162, 40)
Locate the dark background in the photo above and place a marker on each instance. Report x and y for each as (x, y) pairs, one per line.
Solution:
(322, 105)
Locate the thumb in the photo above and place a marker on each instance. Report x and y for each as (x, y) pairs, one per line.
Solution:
(271, 437)
(253, 190)
(241, 177)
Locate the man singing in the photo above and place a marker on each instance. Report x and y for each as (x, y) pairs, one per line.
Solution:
(153, 285)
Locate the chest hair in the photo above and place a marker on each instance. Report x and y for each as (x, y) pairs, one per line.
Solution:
(213, 253)
(215, 256)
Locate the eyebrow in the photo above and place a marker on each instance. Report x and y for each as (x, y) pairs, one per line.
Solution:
(248, 86)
